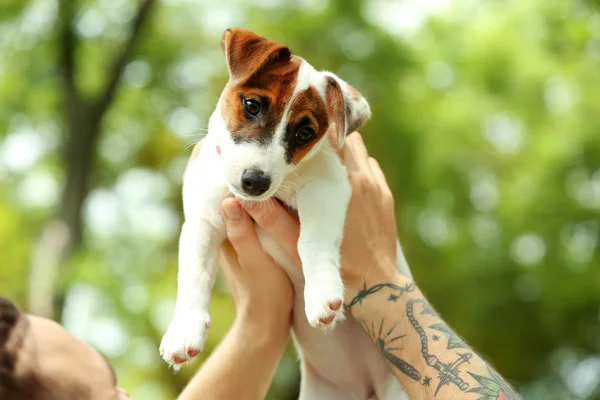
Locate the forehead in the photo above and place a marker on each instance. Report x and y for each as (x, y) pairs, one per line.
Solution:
(276, 82)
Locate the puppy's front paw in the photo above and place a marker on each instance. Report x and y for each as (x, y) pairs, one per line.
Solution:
(185, 338)
(323, 302)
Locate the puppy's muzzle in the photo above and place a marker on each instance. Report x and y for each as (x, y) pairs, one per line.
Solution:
(255, 182)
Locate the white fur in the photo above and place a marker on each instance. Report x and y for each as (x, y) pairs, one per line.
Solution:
(338, 363)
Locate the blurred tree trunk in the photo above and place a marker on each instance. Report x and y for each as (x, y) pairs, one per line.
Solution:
(83, 116)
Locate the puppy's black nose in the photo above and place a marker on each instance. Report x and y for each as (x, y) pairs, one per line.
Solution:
(255, 182)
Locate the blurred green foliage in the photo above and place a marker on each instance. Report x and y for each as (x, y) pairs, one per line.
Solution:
(486, 121)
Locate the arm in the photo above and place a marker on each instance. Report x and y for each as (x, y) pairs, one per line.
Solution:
(243, 365)
(427, 357)
(201, 234)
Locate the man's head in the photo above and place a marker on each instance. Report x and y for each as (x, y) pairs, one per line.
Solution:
(274, 113)
(39, 360)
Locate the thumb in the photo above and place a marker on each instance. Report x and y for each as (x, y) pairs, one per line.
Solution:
(240, 229)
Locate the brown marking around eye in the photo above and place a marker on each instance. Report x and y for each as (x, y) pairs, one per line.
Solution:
(307, 109)
(275, 85)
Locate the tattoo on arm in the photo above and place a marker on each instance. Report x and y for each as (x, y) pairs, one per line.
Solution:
(492, 387)
(450, 370)
(364, 293)
(447, 372)
(383, 343)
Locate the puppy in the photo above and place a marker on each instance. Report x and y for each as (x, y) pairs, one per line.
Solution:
(267, 139)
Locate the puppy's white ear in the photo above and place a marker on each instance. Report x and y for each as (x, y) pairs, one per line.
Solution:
(346, 106)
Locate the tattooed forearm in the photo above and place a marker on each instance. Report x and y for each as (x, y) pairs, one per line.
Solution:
(492, 386)
(364, 293)
(442, 369)
(447, 372)
(383, 343)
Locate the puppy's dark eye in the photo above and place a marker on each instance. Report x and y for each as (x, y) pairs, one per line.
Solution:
(251, 107)
(304, 135)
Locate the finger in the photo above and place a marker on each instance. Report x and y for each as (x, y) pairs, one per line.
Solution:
(378, 175)
(358, 150)
(228, 253)
(194, 155)
(279, 223)
(240, 230)
(228, 260)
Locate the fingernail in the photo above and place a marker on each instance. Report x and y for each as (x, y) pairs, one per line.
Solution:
(232, 212)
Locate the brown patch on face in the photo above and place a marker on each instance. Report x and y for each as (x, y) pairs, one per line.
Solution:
(262, 73)
(272, 87)
(307, 112)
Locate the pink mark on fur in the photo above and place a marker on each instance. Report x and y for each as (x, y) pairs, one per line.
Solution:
(219, 150)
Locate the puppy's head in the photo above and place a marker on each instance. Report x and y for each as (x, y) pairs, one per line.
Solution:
(275, 111)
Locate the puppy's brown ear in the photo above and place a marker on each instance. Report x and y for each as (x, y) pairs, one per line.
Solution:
(346, 106)
(247, 53)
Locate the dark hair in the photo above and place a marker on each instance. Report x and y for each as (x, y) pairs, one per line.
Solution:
(13, 327)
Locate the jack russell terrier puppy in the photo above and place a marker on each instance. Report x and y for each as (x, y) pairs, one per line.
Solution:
(267, 139)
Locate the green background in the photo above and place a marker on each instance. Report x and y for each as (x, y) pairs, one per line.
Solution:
(486, 121)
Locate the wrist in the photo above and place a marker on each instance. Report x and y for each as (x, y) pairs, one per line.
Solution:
(360, 299)
(271, 328)
(371, 272)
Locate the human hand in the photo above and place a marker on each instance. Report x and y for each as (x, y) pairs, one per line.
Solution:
(370, 239)
(261, 290)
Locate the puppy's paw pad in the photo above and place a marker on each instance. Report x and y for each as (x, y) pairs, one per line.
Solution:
(193, 353)
(185, 338)
(321, 314)
(179, 360)
(335, 305)
(326, 321)
(323, 300)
